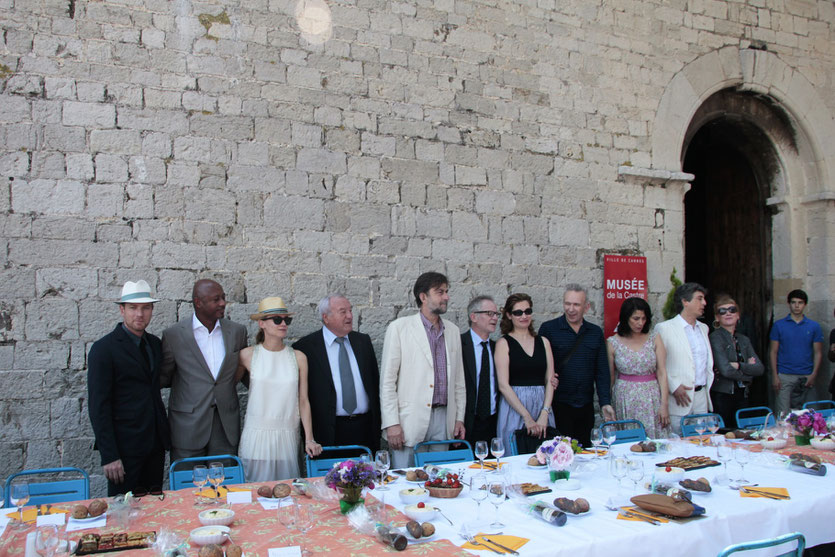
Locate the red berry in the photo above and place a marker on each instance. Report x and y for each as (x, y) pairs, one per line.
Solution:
(668, 469)
(421, 505)
(771, 439)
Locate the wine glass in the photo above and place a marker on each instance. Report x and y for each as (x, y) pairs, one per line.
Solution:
(382, 459)
(724, 453)
(216, 477)
(46, 540)
(713, 425)
(497, 449)
(200, 477)
(700, 426)
(496, 492)
(741, 456)
(481, 452)
(610, 435)
(635, 470)
(617, 467)
(304, 522)
(287, 515)
(597, 439)
(19, 496)
(478, 490)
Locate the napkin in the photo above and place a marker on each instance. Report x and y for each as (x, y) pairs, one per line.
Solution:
(30, 514)
(488, 465)
(513, 542)
(222, 491)
(774, 490)
(601, 452)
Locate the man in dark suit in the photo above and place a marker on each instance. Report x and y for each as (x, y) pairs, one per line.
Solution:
(479, 372)
(343, 377)
(199, 361)
(124, 402)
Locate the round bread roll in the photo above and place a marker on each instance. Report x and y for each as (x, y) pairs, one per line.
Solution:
(234, 551)
(581, 505)
(532, 461)
(411, 475)
(281, 490)
(428, 529)
(730, 435)
(97, 507)
(211, 550)
(79, 511)
(422, 475)
(265, 491)
(636, 449)
(414, 529)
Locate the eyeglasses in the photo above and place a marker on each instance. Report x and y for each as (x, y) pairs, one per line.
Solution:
(489, 313)
(278, 320)
(155, 491)
(521, 312)
(723, 311)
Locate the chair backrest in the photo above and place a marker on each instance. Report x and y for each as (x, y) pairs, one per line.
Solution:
(772, 542)
(55, 491)
(443, 457)
(632, 434)
(179, 473)
(754, 416)
(319, 466)
(688, 423)
(823, 407)
(522, 443)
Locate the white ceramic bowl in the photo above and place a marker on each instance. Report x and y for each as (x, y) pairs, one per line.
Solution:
(217, 517)
(774, 444)
(209, 534)
(413, 495)
(670, 478)
(822, 444)
(425, 514)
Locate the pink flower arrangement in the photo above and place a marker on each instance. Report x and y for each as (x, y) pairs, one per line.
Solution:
(558, 452)
(807, 422)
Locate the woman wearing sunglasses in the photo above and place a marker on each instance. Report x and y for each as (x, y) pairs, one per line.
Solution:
(277, 399)
(734, 362)
(524, 367)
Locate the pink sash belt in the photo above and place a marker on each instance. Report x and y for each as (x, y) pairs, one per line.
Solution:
(636, 378)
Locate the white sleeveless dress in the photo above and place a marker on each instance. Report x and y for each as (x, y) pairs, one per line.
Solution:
(270, 440)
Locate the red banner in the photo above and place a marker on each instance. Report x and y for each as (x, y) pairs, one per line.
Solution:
(624, 276)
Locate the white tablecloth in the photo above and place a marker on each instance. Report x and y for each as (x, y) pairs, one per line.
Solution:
(729, 519)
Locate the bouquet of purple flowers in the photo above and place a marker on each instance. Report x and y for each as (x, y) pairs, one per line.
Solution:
(351, 475)
(807, 422)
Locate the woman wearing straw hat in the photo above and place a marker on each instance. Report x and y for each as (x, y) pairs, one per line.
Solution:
(277, 399)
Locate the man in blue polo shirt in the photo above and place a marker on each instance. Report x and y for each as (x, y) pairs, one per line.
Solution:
(795, 353)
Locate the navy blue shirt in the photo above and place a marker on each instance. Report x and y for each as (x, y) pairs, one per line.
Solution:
(795, 355)
(588, 364)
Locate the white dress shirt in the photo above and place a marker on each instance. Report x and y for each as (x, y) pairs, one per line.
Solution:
(477, 340)
(210, 344)
(699, 348)
(333, 359)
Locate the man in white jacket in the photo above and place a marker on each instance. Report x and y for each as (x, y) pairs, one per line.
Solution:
(689, 358)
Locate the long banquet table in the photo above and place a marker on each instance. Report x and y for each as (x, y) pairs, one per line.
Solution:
(730, 518)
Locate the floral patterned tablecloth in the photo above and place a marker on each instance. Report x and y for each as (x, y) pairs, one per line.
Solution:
(256, 530)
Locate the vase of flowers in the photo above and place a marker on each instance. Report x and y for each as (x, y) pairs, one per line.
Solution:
(349, 478)
(558, 455)
(806, 423)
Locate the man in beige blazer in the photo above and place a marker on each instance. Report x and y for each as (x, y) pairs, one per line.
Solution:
(689, 357)
(422, 392)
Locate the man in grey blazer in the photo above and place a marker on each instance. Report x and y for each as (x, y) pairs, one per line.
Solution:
(199, 360)
(689, 357)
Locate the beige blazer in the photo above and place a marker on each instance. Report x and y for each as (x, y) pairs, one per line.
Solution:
(407, 377)
(680, 367)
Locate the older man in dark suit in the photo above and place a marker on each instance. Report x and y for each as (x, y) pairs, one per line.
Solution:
(343, 377)
(124, 402)
(479, 371)
(200, 358)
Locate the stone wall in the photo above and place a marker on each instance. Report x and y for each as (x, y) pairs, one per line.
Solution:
(172, 140)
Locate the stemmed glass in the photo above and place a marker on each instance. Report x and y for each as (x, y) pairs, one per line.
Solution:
(382, 461)
(478, 490)
(46, 540)
(496, 491)
(287, 515)
(700, 427)
(635, 470)
(610, 435)
(597, 440)
(19, 496)
(200, 477)
(713, 425)
(497, 449)
(304, 522)
(618, 468)
(216, 477)
(724, 453)
(741, 456)
(481, 452)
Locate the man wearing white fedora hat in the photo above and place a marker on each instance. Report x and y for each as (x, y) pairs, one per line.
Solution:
(124, 402)
(200, 358)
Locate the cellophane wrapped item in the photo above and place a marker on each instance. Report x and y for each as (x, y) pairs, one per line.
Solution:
(321, 492)
(169, 544)
(364, 523)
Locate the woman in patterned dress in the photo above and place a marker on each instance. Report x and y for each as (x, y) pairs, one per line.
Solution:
(636, 368)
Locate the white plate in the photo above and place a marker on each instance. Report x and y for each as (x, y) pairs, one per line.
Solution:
(420, 539)
(417, 482)
(540, 467)
(581, 515)
(642, 453)
(565, 485)
(89, 518)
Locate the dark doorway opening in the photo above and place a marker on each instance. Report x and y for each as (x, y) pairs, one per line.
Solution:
(727, 226)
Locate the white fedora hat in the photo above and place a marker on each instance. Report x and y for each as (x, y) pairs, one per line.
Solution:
(136, 293)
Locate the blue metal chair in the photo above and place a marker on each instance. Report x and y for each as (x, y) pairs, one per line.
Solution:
(529, 444)
(755, 416)
(181, 479)
(823, 407)
(319, 466)
(772, 542)
(443, 457)
(688, 423)
(56, 491)
(633, 434)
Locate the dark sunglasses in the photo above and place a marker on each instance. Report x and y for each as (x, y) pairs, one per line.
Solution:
(521, 312)
(155, 491)
(278, 320)
(723, 311)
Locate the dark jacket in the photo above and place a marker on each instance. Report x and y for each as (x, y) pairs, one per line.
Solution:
(322, 393)
(125, 406)
(724, 352)
(470, 380)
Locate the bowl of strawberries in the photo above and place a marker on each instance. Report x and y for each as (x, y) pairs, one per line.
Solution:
(447, 486)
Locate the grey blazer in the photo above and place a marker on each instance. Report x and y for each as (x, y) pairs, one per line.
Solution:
(724, 352)
(194, 391)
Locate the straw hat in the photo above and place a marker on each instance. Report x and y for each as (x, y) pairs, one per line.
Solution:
(270, 307)
(138, 292)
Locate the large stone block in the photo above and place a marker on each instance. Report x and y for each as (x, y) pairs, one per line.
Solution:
(62, 252)
(51, 319)
(73, 284)
(48, 196)
(121, 142)
(94, 115)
